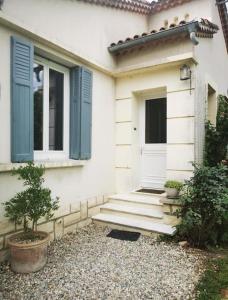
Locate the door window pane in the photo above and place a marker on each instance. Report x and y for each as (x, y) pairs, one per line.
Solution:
(155, 121)
(56, 82)
(38, 88)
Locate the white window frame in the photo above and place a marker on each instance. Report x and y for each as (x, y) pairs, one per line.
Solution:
(46, 154)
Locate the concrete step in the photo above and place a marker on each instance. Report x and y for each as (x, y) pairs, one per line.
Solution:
(131, 224)
(133, 199)
(140, 213)
(149, 194)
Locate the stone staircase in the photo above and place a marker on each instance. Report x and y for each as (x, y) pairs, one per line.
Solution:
(142, 212)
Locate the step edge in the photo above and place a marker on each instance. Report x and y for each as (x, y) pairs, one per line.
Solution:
(137, 227)
(132, 213)
(134, 201)
(162, 195)
(136, 194)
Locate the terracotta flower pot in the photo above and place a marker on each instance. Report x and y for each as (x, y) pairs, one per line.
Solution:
(28, 257)
(172, 193)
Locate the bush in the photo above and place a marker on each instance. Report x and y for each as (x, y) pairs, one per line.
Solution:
(211, 155)
(205, 198)
(216, 137)
(31, 204)
(204, 209)
(172, 184)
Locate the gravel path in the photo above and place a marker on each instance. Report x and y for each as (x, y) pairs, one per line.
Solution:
(89, 265)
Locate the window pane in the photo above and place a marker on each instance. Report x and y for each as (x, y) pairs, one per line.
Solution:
(155, 121)
(56, 81)
(38, 86)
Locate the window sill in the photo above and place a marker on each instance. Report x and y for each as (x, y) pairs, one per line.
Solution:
(70, 163)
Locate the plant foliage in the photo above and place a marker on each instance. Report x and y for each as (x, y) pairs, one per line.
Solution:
(204, 211)
(172, 184)
(216, 137)
(214, 280)
(34, 202)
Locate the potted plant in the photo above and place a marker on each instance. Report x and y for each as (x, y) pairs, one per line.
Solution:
(28, 249)
(173, 188)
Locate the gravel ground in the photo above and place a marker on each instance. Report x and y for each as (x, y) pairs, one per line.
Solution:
(89, 265)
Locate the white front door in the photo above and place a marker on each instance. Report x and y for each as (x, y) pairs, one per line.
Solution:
(153, 143)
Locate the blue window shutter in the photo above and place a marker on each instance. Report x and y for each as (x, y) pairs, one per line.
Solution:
(86, 113)
(75, 112)
(81, 113)
(21, 100)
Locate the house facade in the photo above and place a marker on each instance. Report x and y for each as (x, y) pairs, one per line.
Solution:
(111, 96)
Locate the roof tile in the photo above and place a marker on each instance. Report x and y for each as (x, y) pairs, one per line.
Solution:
(139, 6)
(205, 29)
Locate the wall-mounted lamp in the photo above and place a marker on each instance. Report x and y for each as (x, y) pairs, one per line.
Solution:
(186, 74)
(1, 4)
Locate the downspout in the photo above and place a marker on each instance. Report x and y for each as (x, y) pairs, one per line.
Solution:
(1, 4)
(193, 38)
(192, 34)
(190, 28)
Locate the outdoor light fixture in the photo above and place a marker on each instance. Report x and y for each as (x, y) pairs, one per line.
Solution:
(186, 74)
(1, 3)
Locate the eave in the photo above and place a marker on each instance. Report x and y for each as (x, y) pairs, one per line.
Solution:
(191, 29)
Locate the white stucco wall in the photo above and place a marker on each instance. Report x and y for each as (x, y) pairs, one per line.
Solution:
(75, 183)
(156, 54)
(186, 113)
(130, 90)
(82, 28)
(213, 57)
(212, 70)
(193, 9)
(75, 32)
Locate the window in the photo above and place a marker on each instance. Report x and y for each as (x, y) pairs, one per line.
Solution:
(155, 121)
(51, 110)
(51, 107)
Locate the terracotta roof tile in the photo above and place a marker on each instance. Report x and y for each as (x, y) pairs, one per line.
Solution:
(157, 6)
(146, 8)
(139, 6)
(205, 28)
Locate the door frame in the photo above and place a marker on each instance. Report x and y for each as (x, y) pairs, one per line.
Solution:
(158, 148)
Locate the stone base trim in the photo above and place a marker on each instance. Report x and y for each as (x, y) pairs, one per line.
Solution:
(67, 219)
(170, 206)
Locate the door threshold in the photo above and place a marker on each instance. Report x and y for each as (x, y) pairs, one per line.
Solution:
(150, 191)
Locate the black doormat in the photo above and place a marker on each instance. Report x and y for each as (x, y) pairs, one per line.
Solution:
(124, 235)
(151, 191)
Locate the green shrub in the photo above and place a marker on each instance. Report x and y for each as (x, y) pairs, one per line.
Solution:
(204, 212)
(174, 184)
(211, 155)
(31, 204)
(216, 137)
